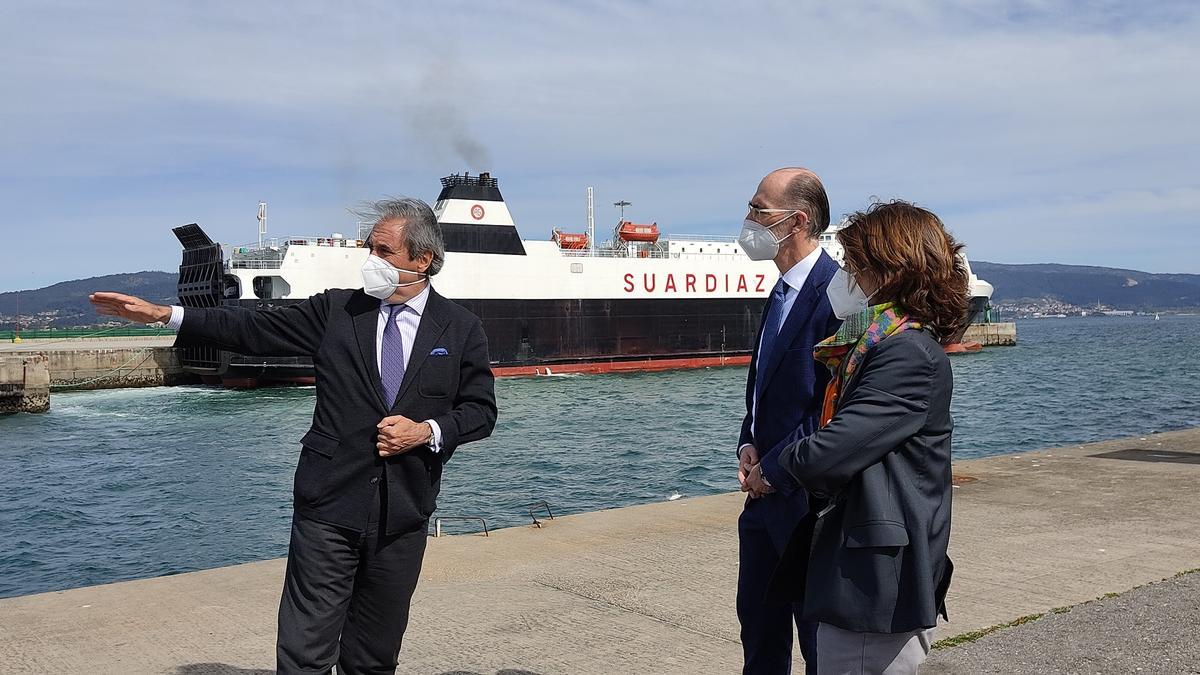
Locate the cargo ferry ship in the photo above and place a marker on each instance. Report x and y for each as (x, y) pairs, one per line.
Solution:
(642, 300)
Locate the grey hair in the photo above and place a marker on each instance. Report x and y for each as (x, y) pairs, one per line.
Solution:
(421, 230)
(805, 192)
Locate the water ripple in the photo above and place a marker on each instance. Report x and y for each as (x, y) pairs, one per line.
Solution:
(123, 484)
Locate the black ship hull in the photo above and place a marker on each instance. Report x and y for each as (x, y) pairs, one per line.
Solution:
(532, 336)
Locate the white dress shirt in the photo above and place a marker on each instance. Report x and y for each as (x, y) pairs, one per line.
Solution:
(408, 321)
(794, 278)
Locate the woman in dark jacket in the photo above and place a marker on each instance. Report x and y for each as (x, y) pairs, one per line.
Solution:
(879, 470)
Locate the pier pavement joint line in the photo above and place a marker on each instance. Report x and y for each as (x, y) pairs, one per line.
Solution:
(634, 610)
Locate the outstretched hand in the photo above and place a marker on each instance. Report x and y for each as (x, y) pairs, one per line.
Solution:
(129, 307)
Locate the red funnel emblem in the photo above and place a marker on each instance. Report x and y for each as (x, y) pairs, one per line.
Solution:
(477, 212)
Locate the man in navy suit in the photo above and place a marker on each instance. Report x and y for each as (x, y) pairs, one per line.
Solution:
(784, 392)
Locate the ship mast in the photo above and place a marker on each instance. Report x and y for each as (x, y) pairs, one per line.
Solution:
(262, 222)
(622, 204)
(591, 224)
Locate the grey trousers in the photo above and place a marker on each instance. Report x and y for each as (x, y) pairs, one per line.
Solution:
(843, 652)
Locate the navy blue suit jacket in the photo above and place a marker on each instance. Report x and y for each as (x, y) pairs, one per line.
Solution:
(789, 406)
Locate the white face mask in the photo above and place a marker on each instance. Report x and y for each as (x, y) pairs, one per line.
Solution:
(381, 278)
(758, 242)
(845, 296)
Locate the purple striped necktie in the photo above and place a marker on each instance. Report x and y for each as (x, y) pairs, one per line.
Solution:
(391, 356)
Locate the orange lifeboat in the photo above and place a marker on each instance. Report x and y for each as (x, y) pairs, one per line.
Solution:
(630, 231)
(570, 240)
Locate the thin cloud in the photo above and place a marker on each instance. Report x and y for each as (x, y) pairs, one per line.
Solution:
(144, 115)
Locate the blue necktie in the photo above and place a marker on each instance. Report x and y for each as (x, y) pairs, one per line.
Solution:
(772, 323)
(391, 356)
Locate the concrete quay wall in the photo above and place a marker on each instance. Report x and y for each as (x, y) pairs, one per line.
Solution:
(24, 384)
(115, 368)
(992, 334)
(105, 362)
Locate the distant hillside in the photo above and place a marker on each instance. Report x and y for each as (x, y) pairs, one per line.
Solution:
(1086, 286)
(66, 304)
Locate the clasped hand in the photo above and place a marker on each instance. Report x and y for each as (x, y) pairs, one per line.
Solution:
(398, 434)
(750, 474)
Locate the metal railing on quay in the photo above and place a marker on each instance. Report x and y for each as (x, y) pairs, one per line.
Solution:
(437, 523)
(76, 333)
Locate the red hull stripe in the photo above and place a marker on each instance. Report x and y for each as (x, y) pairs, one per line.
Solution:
(638, 366)
(635, 366)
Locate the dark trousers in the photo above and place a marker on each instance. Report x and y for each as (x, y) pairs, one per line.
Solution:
(767, 623)
(346, 595)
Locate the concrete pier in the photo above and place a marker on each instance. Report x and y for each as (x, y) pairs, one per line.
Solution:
(650, 589)
(992, 334)
(106, 363)
(24, 384)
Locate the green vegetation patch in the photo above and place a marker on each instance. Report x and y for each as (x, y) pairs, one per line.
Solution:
(967, 638)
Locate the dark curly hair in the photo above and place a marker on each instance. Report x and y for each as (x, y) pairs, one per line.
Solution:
(915, 262)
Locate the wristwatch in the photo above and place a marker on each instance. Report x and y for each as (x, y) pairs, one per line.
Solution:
(762, 476)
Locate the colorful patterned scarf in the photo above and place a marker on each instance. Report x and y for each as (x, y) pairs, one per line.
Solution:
(843, 351)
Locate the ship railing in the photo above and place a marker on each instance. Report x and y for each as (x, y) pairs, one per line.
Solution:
(279, 243)
(716, 239)
(612, 253)
(649, 255)
(255, 264)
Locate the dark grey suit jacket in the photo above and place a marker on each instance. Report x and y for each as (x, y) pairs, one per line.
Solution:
(448, 379)
(878, 559)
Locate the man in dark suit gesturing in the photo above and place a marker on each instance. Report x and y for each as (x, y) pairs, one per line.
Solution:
(403, 379)
(784, 391)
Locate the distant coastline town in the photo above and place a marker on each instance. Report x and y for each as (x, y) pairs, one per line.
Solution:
(1047, 308)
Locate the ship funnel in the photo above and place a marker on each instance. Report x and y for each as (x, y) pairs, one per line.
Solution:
(474, 217)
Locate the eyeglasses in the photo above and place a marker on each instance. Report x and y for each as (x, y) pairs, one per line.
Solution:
(760, 212)
(757, 214)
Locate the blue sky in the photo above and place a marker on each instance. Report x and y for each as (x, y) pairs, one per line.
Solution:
(1039, 131)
